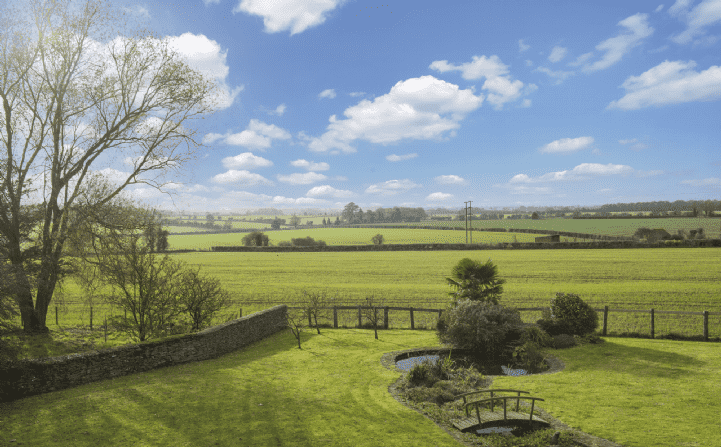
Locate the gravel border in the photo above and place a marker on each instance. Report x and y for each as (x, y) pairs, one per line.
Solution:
(556, 365)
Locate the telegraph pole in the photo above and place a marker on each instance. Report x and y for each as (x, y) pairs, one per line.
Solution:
(465, 211)
(470, 215)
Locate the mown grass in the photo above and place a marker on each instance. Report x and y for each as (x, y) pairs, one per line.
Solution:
(334, 391)
(665, 279)
(350, 236)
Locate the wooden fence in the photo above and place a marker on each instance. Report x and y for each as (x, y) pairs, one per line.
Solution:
(605, 310)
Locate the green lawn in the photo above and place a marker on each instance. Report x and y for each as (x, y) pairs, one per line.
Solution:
(350, 236)
(640, 393)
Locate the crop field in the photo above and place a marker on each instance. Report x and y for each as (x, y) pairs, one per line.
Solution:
(664, 279)
(607, 227)
(351, 236)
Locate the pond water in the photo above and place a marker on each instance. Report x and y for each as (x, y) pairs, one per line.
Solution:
(407, 364)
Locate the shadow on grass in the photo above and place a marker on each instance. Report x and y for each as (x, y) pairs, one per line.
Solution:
(613, 357)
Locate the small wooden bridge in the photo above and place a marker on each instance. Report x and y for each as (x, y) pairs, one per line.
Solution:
(493, 416)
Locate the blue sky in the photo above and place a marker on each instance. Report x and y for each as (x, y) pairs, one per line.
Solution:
(429, 103)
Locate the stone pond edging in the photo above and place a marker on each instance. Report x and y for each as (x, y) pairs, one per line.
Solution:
(37, 376)
(556, 365)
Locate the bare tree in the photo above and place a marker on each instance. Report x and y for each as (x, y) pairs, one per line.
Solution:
(200, 297)
(295, 323)
(74, 98)
(373, 312)
(314, 304)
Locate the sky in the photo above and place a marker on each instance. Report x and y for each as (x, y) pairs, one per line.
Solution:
(432, 104)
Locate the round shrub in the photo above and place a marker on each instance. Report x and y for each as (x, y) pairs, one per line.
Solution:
(489, 329)
(563, 341)
(553, 326)
(579, 316)
(536, 335)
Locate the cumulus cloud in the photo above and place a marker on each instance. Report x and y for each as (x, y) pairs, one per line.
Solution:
(636, 29)
(522, 46)
(670, 83)
(246, 160)
(450, 180)
(206, 56)
(328, 93)
(580, 172)
(279, 111)
(417, 108)
(438, 196)
(567, 145)
(705, 14)
(500, 86)
(557, 53)
(294, 15)
(391, 187)
(394, 157)
(241, 178)
(327, 190)
(258, 135)
(299, 201)
(558, 75)
(310, 165)
(356, 94)
(712, 181)
(302, 179)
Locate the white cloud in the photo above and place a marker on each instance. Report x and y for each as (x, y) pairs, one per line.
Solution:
(557, 53)
(713, 181)
(580, 60)
(310, 165)
(525, 103)
(137, 10)
(294, 15)
(299, 201)
(327, 190)
(558, 75)
(417, 108)
(658, 8)
(391, 187)
(328, 93)
(670, 83)
(499, 84)
(637, 29)
(567, 145)
(522, 46)
(529, 63)
(241, 178)
(206, 56)
(246, 160)
(705, 14)
(279, 111)
(438, 196)
(394, 157)
(258, 135)
(450, 180)
(302, 179)
(633, 140)
(580, 172)
(356, 94)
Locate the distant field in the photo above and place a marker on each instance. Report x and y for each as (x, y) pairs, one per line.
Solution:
(608, 227)
(351, 236)
(664, 279)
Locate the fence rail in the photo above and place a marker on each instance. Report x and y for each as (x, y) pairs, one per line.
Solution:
(604, 311)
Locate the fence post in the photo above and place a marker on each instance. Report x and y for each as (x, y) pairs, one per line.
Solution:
(335, 317)
(705, 325)
(56, 316)
(91, 318)
(240, 313)
(359, 317)
(106, 329)
(605, 319)
(385, 317)
(413, 326)
(652, 332)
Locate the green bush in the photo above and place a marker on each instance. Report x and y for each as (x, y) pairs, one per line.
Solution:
(554, 326)
(579, 316)
(486, 328)
(284, 244)
(306, 242)
(528, 356)
(536, 335)
(563, 341)
(255, 239)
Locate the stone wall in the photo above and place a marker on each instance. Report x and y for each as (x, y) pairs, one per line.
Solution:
(38, 376)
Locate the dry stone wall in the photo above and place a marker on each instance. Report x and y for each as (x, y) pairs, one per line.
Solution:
(39, 376)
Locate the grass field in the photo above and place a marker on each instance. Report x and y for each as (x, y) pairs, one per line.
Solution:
(663, 279)
(351, 236)
(334, 392)
(608, 227)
